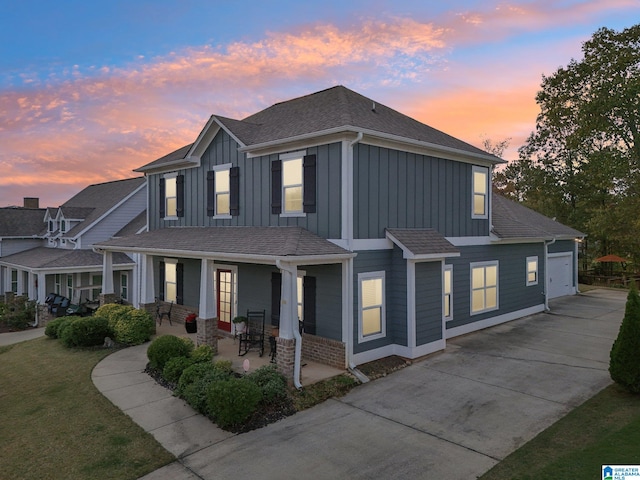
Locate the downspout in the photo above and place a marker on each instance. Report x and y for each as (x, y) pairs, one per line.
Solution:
(297, 359)
(546, 273)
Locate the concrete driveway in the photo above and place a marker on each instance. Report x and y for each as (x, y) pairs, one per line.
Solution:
(453, 415)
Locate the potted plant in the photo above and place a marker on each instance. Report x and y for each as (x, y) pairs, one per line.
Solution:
(240, 323)
(190, 323)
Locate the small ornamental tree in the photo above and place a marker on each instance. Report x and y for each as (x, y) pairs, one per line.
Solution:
(624, 366)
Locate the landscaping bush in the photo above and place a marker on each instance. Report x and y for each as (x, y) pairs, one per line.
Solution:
(232, 401)
(166, 347)
(273, 385)
(112, 312)
(19, 314)
(196, 379)
(84, 331)
(53, 327)
(202, 354)
(133, 327)
(624, 365)
(174, 367)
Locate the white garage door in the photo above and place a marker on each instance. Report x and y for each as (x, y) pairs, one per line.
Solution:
(560, 275)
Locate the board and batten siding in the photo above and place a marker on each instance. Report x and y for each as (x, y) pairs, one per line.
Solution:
(255, 190)
(397, 299)
(513, 292)
(428, 302)
(395, 189)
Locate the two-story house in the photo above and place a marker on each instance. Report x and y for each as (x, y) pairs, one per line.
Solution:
(369, 232)
(59, 258)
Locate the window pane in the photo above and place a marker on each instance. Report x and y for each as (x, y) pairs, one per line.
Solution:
(447, 305)
(371, 321)
(477, 278)
(222, 180)
(292, 172)
(479, 182)
(492, 297)
(170, 272)
(293, 199)
(447, 281)
(371, 292)
(477, 300)
(531, 277)
(492, 276)
(170, 187)
(222, 204)
(171, 292)
(172, 207)
(478, 204)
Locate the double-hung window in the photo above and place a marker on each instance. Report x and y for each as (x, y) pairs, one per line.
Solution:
(480, 198)
(447, 292)
(14, 281)
(484, 287)
(223, 190)
(124, 286)
(293, 184)
(170, 280)
(532, 271)
(170, 197)
(371, 311)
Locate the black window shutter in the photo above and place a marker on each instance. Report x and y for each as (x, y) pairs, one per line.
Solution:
(180, 194)
(276, 186)
(161, 282)
(309, 303)
(276, 290)
(234, 191)
(210, 193)
(180, 283)
(309, 179)
(161, 199)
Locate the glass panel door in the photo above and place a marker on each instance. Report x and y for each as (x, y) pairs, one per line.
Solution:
(224, 283)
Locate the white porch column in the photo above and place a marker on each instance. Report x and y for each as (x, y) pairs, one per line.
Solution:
(207, 307)
(147, 282)
(42, 287)
(22, 288)
(288, 301)
(107, 273)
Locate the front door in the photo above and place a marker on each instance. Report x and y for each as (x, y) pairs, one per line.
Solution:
(224, 283)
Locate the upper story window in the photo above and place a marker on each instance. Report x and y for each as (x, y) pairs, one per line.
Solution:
(293, 183)
(372, 309)
(52, 226)
(223, 189)
(171, 196)
(480, 202)
(532, 271)
(484, 287)
(63, 226)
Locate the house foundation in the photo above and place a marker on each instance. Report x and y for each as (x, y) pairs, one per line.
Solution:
(285, 359)
(208, 333)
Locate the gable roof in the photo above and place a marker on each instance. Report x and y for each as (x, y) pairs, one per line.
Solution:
(44, 258)
(18, 222)
(134, 226)
(422, 243)
(252, 243)
(334, 110)
(511, 220)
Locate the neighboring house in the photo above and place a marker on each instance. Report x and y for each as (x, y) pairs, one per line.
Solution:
(58, 257)
(376, 234)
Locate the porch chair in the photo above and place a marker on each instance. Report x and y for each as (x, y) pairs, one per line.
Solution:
(254, 334)
(161, 312)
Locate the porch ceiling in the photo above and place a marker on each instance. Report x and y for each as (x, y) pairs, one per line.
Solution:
(264, 244)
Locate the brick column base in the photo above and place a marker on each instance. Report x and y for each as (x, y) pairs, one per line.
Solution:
(208, 333)
(285, 357)
(44, 316)
(106, 298)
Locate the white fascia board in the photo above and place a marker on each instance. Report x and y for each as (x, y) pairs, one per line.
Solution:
(300, 142)
(469, 241)
(179, 164)
(207, 135)
(425, 257)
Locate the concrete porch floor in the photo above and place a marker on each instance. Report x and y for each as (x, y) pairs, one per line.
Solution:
(310, 373)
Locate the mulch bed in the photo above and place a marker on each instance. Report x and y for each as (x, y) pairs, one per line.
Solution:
(384, 366)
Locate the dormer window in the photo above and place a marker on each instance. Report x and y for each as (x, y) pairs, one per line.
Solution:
(63, 226)
(52, 226)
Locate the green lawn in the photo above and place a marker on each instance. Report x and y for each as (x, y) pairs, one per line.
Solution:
(604, 430)
(55, 423)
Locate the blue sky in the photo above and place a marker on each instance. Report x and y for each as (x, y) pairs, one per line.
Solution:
(91, 90)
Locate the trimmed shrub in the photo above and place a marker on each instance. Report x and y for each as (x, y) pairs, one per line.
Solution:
(53, 326)
(112, 312)
(84, 331)
(133, 327)
(232, 401)
(202, 354)
(273, 385)
(19, 314)
(624, 365)
(174, 367)
(166, 347)
(196, 379)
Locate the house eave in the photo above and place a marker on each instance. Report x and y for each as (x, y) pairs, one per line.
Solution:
(182, 163)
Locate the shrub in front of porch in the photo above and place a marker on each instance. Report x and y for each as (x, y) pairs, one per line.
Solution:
(53, 328)
(195, 381)
(84, 331)
(130, 326)
(166, 347)
(231, 402)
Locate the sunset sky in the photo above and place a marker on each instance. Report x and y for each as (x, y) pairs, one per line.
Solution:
(90, 90)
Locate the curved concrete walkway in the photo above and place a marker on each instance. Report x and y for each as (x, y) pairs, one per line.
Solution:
(453, 415)
(10, 338)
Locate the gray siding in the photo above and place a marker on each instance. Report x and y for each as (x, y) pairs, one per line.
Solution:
(397, 299)
(428, 302)
(328, 299)
(403, 190)
(513, 293)
(371, 261)
(10, 246)
(255, 191)
(562, 246)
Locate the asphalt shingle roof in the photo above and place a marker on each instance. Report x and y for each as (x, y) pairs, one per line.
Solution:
(22, 222)
(44, 258)
(423, 241)
(252, 241)
(513, 220)
(134, 226)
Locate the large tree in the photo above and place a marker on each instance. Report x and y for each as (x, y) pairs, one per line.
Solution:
(581, 164)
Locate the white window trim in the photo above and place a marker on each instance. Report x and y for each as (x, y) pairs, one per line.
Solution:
(474, 265)
(221, 168)
(174, 262)
(283, 158)
(168, 176)
(531, 259)
(450, 316)
(484, 170)
(383, 326)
